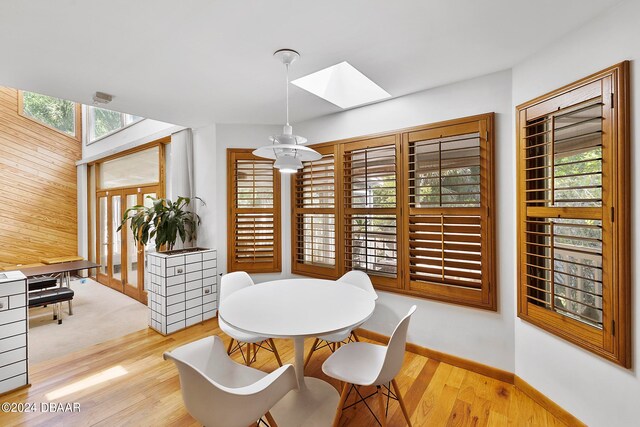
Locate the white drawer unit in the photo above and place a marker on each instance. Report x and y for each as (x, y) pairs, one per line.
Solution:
(14, 328)
(182, 288)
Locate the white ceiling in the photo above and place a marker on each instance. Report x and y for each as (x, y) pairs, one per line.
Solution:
(196, 62)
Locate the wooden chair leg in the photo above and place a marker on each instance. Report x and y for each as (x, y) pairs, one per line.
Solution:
(275, 351)
(270, 420)
(343, 398)
(383, 415)
(355, 337)
(313, 348)
(248, 361)
(230, 346)
(396, 390)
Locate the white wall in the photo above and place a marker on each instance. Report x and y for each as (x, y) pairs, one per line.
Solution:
(596, 391)
(139, 133)
(480, 335)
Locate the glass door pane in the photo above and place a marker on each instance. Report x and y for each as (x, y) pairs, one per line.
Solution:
(132, 247)
(103, 231)
(116, 241)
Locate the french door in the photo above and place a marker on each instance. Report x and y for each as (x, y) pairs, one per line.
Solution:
(120, 257)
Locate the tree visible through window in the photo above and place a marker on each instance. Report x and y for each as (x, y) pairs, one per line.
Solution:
(56, 113)
(103, 122)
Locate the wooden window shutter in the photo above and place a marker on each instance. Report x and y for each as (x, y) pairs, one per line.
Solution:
(572, 195)
(450, 244)
(314, 224)
(253, 223)
(371, 208)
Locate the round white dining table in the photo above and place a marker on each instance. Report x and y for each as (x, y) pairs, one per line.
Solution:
(297, 309)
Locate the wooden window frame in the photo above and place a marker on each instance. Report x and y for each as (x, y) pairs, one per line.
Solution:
(93, 243)
(77, 124)
(314, 270)
(486, 298)
(613, 341)
(276, 266)
(394, 140)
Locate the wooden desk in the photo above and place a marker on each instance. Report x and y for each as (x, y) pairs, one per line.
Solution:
(62, 270)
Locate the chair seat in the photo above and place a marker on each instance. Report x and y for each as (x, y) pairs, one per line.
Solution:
(239, 335)
(357, 363)
(49, 296)
(236, 376)
(39, 283)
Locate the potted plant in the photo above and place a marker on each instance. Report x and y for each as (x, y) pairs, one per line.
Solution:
(165, 220)
(181, 284)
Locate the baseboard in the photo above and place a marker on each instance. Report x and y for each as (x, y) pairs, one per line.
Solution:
(486, 370)
(548, 404)
(460, 362)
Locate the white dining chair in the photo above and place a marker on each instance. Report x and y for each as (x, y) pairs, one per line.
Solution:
(363, 364)
(219, 392)
(356, 278)
(242, 341)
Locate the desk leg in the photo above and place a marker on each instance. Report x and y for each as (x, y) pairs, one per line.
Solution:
(68, 280)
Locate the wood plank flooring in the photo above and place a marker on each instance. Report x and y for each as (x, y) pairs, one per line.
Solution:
(125, 381)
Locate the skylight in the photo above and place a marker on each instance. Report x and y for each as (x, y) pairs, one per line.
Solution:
(342, 85)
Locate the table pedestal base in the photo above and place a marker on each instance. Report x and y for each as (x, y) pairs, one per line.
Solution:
(314, 406)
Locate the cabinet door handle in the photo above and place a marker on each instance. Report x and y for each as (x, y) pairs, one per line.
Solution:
(207, 291)
(179, 270)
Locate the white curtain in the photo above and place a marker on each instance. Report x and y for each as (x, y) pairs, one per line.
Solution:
(180, 170)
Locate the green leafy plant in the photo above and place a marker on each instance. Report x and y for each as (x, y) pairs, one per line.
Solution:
(165, 220)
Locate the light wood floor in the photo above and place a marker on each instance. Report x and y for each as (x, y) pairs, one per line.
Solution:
(125, 381)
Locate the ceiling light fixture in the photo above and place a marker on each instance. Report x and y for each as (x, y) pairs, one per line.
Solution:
(287, 149)
(102, 98)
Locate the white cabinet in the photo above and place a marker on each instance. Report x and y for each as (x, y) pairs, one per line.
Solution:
(14, 328)
(182, 289)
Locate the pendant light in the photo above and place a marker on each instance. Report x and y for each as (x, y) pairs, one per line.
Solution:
(287, 149)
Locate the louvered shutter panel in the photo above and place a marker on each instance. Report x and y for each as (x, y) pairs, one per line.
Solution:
(254, 214)
(371, 208)
(314, 217)
(563, 181)
(449, 194)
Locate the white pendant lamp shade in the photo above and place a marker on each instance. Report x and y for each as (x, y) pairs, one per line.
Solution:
(287, 148)
(288, 164)
(276, 151)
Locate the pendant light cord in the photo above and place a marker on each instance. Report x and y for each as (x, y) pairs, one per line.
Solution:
(287, 91)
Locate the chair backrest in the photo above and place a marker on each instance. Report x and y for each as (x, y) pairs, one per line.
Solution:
(359, 279)
(204, 368)
(395, 350)
(233, 282)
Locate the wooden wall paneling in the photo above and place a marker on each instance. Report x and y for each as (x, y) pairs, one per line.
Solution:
(39, 187)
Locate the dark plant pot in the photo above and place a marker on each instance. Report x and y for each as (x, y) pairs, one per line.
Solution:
(182, 251)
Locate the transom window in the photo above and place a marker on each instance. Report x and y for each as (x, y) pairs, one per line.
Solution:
(102, 122)
(55, 113)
